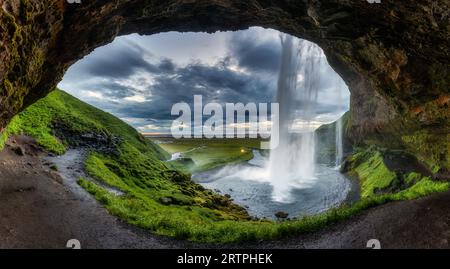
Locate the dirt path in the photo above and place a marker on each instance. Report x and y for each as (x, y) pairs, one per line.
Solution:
(422, 223)
(40, 209)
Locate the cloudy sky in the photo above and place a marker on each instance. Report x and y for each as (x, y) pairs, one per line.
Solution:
(139, 78)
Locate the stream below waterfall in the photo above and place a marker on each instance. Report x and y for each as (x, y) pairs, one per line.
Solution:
(249, 186)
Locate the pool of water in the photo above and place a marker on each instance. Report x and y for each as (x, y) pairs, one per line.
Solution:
(249, 186)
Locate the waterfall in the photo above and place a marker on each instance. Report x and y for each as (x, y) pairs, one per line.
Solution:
(339, 143)
(292, 162)
(339, 87)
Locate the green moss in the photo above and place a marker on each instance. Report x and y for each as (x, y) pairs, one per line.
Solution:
(376, 179)
(8, 87)
(372, 173)
(422, 188)
(12, 22)
(432, 148)
(14, 127)
(412, 178)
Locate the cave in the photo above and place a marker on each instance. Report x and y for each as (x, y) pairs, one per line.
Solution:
(394, 56)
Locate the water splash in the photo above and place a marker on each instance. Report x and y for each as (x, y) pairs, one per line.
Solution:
(292, 162)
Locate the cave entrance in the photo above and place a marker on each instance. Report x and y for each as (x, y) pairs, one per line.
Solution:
(399, 87)
(139, 79)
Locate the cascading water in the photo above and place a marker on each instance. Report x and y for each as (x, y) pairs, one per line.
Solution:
(340, 86)
(339, 143)
(292, 162)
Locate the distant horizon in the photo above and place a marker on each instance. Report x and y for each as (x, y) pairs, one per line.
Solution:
(168, 134)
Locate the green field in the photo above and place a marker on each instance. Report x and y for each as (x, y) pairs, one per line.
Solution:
(208, 154)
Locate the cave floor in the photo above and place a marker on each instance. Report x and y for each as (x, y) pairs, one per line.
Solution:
(37, 210)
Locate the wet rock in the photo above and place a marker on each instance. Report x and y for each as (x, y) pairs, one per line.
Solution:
(27, 189)
(54, 168)
(19, 150)
(175, 201)
(442, 175)
(281, 215)
(178, 177)
(166, 200)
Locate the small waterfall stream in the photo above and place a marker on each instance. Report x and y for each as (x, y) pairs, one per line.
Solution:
(339, 143)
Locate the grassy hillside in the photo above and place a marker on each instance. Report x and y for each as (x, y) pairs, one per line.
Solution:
(167, 202)
(60, 110)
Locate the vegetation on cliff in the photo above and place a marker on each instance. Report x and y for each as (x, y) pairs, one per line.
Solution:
(392, 175)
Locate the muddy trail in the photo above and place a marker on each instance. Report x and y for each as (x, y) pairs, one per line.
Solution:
(41, 206)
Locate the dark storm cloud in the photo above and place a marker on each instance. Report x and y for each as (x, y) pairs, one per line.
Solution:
(113, 90)
(214, 83)
(254, 55)
(121, 61)
(166, 65)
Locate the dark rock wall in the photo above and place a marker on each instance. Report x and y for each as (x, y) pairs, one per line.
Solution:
(394, 56)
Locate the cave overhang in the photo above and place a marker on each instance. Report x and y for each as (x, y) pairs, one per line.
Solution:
(394, 56)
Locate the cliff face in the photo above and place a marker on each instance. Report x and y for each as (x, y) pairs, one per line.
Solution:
(394, 56)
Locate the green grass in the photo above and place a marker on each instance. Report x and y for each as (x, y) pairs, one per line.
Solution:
(12, 128)
(135, 167)
(373, 173)
(209, 153)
